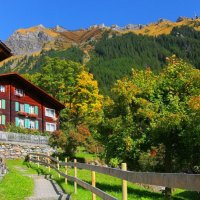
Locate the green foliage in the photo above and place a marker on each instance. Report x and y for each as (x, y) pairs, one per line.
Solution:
(73, 138)
(153, 110)
(113, 58)
(70, 83)
(17, 129)
(33, 63)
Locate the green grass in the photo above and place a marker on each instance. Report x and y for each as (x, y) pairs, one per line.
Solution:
(83, 156)
(14, 185)
(112, 186)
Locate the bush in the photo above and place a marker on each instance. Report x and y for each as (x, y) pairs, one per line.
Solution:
(16, 129)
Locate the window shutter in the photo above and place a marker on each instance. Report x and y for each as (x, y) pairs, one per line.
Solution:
(3, 119)
(16, 106)
(36, 110)
(27, 108)
(36, 124)
(27, 123)
(17, 121)
(3, 104)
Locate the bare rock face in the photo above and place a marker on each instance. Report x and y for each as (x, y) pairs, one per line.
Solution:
(27, 42)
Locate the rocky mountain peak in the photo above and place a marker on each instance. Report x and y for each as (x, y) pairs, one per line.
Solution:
(59, 29)
(27, 41)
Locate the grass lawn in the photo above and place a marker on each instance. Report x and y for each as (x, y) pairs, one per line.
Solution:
(14, 185)
(112, 186)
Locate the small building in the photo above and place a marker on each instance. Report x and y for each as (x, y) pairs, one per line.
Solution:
(5, 52)
(26, 105)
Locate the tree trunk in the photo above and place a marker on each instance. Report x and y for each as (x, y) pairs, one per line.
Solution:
(168, 168)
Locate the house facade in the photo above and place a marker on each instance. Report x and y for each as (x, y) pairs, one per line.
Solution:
(5, 52)
(26, 105)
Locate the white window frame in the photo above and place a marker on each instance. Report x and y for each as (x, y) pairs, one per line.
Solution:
(47, 114)
(19, 92)
(2, 88)
(50, 127)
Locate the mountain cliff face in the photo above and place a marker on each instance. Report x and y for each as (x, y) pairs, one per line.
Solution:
(29, 41)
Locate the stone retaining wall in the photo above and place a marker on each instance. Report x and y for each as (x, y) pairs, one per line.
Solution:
(20, 150)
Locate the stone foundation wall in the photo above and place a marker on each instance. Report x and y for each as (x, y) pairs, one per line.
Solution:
(20, 150)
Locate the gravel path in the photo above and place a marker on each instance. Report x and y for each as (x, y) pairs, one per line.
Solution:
(45, 188)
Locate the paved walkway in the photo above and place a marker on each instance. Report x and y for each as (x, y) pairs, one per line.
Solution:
(45, 188)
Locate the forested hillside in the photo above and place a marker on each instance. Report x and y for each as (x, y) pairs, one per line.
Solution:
(113, 56)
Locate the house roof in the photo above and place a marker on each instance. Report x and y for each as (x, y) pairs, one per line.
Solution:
(30, 86)
(5, 52)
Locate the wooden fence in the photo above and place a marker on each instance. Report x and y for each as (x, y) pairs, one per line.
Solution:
(171, 180)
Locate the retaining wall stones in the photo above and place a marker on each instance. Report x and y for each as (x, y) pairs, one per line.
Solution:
(14, 150)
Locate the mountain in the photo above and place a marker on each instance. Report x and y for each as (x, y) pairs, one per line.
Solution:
(109, 52)
(37, 38)
(34, 39)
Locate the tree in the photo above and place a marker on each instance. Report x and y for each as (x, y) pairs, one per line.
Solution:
(157, 111)
(71, 84)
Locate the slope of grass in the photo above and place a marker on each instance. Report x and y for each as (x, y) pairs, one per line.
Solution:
(14, 185)
(112, 186)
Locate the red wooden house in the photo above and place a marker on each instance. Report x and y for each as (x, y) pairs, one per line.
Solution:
(5, 52)
(26, 105)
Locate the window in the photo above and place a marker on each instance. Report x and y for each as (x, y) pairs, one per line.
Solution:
(26, 123)
(3, 104)
(2, 119)
(50, 127)
(21, 122)
(2, 88)
(49, 112)
(32, 124)
(32, 109)
(21, 107)
(19, 92)
(26, 108)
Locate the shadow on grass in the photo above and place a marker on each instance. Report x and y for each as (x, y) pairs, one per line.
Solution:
(133, 192)
(188, 195)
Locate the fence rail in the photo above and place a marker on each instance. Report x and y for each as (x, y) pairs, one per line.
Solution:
(23, 138)
(172, 180)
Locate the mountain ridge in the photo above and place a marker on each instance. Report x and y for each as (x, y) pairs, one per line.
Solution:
(37, 38)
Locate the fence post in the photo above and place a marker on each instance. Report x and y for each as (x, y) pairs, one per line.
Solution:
(38, 159)
(93, 184)
(66, 170)
(58, 166)
(124, 184)
(48, 161)
(75, 176)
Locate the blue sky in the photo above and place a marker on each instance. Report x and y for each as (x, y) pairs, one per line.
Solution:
(77, 14)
